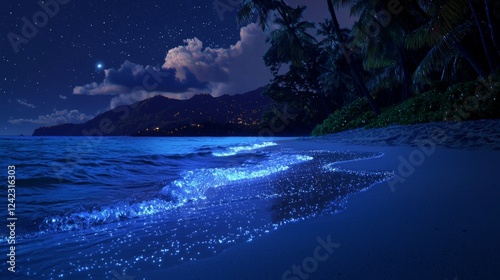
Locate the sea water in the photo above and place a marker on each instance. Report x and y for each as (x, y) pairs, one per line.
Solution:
(89, 207)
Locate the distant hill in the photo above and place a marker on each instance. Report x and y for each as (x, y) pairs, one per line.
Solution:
(202, 115)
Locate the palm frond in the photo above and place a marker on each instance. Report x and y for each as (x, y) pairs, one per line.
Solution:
(385, 79)
(440, 54)
(445, 18)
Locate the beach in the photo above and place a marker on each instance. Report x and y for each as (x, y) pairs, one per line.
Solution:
(440, 220)
(251, 140)
(401, 202)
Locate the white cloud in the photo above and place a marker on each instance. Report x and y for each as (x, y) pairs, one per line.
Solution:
(237, 69)
(201, 62)
(100, 89)
(24, 102)
(56, 117)
(188, 70)
(63, 97)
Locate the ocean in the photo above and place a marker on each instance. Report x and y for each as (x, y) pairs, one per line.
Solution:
(88, 208)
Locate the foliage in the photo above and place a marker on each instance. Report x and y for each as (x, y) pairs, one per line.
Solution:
(260, 8)
(411, 62)
(334, 77)
(463, 101)
(446, 28)
(298, 89)
(290, 43)
(353, 115)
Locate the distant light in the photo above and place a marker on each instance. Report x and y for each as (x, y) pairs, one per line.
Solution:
(99, 66)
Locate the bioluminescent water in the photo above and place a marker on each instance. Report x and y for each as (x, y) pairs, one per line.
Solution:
(88, 208)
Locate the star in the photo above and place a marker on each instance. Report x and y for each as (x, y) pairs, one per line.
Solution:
(99, 65)
(104, 38)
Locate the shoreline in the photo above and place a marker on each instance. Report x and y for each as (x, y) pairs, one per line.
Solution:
(475, 134)
(425, 229)
(441, 222)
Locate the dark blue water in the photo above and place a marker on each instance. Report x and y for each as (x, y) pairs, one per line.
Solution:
(87, 208)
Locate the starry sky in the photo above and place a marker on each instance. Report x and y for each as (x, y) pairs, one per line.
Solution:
(68, 60)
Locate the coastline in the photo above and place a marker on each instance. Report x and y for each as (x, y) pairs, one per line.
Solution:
(441, 222)
(476, 134)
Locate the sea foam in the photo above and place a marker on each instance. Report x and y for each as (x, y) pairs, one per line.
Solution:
(231, 151)
(194, 183)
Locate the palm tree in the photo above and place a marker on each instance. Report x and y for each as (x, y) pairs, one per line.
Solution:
(493, 22)
(384, 53)
(290, 42)
(262, 8)
(334, 79)
(355, 73)
(265, 11)
(447, 33)
(487, 45)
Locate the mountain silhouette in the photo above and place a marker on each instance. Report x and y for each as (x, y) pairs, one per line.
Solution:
(201, 115)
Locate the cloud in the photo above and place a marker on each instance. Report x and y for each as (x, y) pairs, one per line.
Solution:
(188, 70)
(131, 77)
(236, 69)
(63, 97)
(24, 102)
(56, 117)
(205, 63)
(103, 88)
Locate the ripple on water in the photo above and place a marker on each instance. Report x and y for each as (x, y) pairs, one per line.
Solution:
(212, 210)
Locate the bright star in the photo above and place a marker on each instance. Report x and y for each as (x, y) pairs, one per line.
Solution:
(99, 66)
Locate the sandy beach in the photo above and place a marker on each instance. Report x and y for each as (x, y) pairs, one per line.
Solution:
(439, 220)
(250, 140)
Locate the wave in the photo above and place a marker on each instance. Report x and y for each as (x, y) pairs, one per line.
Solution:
(187, 155)
(197, 185)
(194, 183)
(199, 213)
(231, 151)
(107, 214)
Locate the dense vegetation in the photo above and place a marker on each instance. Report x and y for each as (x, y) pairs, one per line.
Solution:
(402, 62)
(462, 101)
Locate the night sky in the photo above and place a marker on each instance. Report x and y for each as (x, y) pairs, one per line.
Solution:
(85, 57)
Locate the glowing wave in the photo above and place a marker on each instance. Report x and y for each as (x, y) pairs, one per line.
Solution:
(107, 214)
(235, 150)
(194, 183)
(191, 187)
